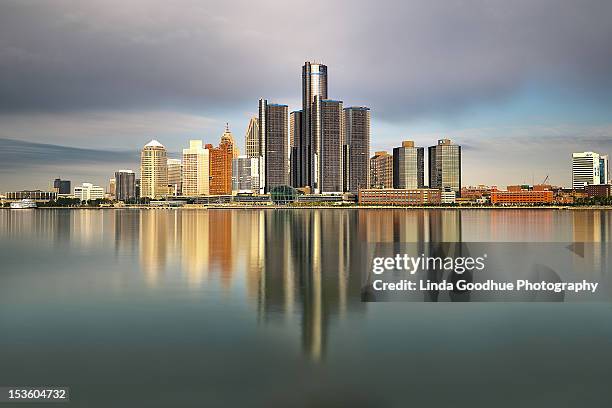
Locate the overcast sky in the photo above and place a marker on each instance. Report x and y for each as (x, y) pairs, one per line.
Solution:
(85, 84)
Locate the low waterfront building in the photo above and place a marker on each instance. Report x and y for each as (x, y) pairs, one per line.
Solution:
(522, 197)
(88, 191)
(394, 196)
(36, 195)
(598, 190)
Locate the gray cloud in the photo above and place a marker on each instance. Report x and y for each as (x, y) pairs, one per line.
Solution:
(404, 59)
(29, 154)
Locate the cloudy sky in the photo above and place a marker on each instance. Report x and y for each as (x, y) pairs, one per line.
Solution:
(84, 84)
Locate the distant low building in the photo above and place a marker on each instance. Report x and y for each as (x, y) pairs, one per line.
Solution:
(598, 190)
(381, 170)
(521, 197)
(88, 191)
(36, 195)
(61, 186)
(404, 197)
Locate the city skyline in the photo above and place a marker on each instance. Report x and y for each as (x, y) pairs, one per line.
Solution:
(537, 94)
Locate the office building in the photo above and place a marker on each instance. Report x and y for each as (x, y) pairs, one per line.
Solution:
(408, 166)
(598, 190)
(221, 166)
(245, 174)
(251, 138)
(604, 169)
(586, 167)
(36, 195)
(153, 170)
(445, 166)
(88, 191)
(61, 186)
(522, 197)
(111, 187)
(227, 138)
(381, 170)
(125, 185)
(273, 137)
(295, 129)
(314, 85)
(195, 170)
(402, 197)
(357, 148)
(329, 132)
(174, 177)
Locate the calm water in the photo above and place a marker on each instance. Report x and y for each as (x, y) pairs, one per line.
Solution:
(262, 308)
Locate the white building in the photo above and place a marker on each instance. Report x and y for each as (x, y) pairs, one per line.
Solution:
(195, 170)
(88, 191)
(448, 197)
(585, 169)
(245, 174)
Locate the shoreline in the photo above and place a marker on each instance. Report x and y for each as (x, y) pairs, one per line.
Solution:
(352, 207)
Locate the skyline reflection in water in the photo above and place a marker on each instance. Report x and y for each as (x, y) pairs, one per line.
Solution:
(263, 307)
(290, 265)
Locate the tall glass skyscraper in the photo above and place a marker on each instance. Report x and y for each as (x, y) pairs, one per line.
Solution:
(356, 148)
(314, 84)
(408, 166)
(445, 166)
(330, 145)
(295, 131)
(125, 185)
(273, 137)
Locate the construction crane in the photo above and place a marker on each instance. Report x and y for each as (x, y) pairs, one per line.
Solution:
(545, 179)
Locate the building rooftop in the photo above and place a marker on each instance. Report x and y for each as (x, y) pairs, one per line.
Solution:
(154, 143)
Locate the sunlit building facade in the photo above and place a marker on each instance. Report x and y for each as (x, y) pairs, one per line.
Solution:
(153, 170)
(251, 138)
(381, 170)
(408, 166)
(586, 167)
(445, 166)
(174, 177)
(195, 170)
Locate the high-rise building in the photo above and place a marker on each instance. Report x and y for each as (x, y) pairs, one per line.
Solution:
(381, 170)
(111, 187)
(125, 185)
(195, 170)
(61, 186)
(174, 177)
(153, 170)
(251, 139)
(408, 166)
(88, 191)
(329, 142)
(228, 138)
(586, 167)
(604, 169)
(221, 166)
(295, 130)
(273, 137)
(445, 166)
(314, 84)
(245, 174)
(357, 148)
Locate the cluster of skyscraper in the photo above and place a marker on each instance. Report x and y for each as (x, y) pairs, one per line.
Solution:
(203, 170)
(405, 169)
(322, 148)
